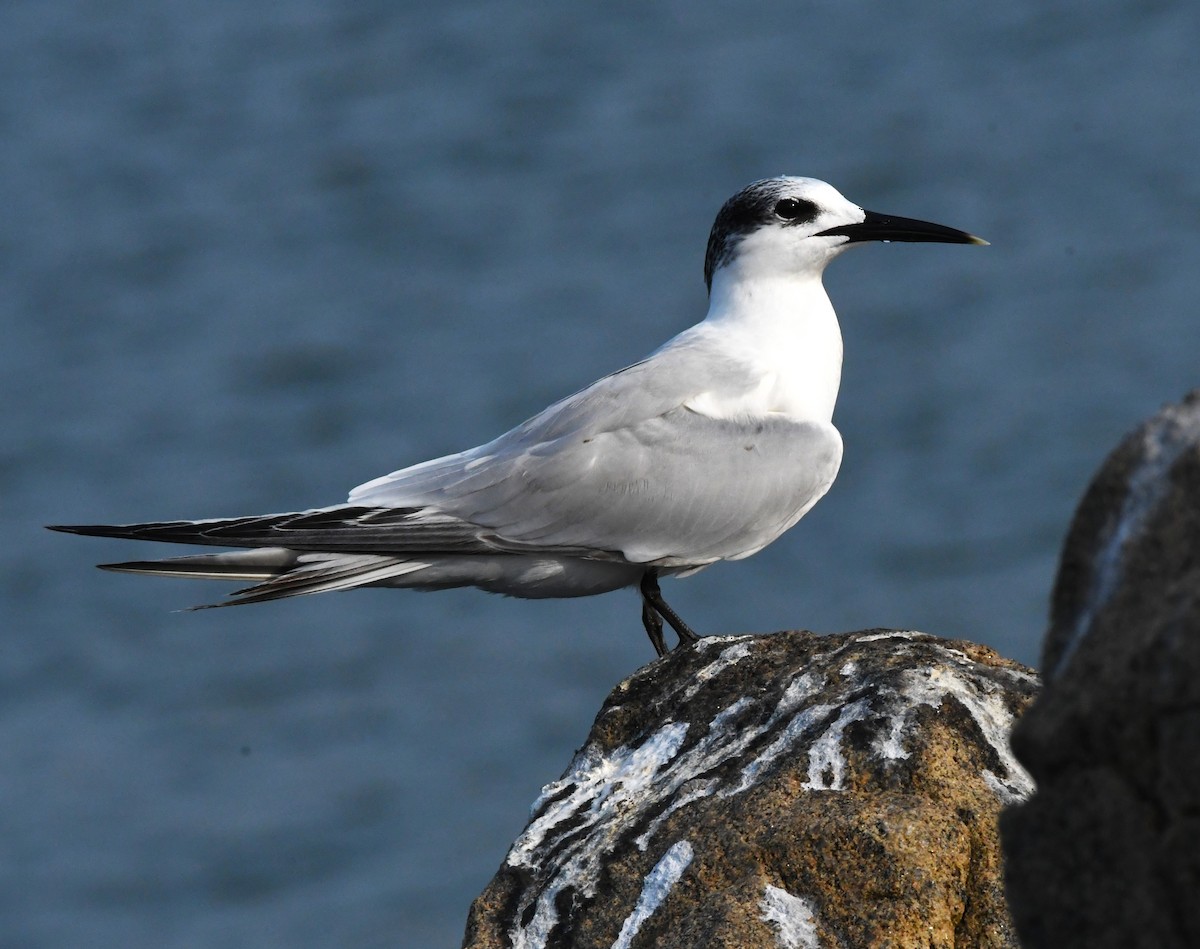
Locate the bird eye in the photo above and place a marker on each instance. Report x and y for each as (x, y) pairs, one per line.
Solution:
(791, 209)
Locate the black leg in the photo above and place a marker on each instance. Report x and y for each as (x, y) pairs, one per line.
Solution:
(653, 602)
(653, 623)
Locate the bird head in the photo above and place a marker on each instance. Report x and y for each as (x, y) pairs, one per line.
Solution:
(796, 226)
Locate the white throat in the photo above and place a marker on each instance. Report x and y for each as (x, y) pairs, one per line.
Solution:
(784, 327)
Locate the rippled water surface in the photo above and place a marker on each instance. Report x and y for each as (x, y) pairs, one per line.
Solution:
(252, 255)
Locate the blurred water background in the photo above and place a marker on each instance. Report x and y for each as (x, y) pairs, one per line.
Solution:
(254, 254)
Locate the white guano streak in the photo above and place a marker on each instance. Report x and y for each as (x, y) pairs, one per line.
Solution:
(658, 884)
(603, 786)
(930, 686)
(793, 918)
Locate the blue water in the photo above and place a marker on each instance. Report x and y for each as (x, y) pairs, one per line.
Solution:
(252, 255)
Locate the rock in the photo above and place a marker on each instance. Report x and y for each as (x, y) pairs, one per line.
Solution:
(789, 790)
(1108, 851)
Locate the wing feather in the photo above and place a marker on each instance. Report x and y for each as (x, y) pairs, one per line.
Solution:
(624, 466)
(622, 469)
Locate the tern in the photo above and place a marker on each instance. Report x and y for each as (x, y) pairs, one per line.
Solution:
(707, 450)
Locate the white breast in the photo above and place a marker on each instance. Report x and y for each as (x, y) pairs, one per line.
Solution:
(786, 335)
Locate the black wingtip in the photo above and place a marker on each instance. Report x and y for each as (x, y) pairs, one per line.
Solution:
(147, 531)
(129, 566)
(87, 530)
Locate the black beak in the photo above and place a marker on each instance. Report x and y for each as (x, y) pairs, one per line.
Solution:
(888, 227)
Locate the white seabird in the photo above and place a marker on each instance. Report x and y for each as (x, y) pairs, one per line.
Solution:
(707, 450)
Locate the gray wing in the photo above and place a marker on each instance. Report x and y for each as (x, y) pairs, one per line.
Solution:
(624, 467)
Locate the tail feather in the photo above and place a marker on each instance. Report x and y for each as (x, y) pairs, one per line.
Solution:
(262, 563)
(325, 576)
(338, 548)
(277, 573)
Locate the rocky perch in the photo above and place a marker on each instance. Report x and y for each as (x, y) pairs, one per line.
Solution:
(788, 790)
(1108, 852)
(799, 791)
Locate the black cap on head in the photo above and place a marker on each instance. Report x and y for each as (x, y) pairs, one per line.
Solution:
(758, 204)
